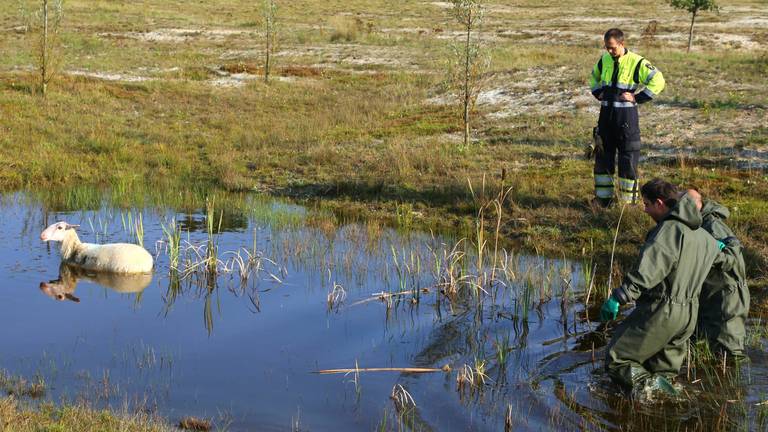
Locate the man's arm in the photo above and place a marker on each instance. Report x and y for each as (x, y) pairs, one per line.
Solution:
(595, 84)
(653, 80)
(656, 263)
(728, 257)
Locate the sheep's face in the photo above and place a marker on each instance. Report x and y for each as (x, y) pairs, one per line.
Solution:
(57, 291)
(56, 232)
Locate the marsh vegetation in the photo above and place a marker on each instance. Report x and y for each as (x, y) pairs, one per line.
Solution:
(409, 330)
(333, 217)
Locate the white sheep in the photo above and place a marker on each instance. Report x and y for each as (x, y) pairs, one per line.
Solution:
(113, 258)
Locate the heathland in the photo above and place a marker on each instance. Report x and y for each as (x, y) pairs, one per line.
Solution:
(167, 96)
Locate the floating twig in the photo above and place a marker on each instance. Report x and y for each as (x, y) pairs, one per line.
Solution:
(445, 368)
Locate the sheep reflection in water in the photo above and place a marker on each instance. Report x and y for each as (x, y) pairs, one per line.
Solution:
(64, 287)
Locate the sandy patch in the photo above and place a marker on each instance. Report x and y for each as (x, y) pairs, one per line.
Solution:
(488, 8)
(549, 37)
(354, 55)
(236, 80)
(442, 5)
(232, 81)
(684, 131)
(178, 35)
(109, 76)
(407, 30)
(485, 36)
(599, 20)
(748, 22)
(753, 22)
(532, 91)
(735, 41)
(717, 40)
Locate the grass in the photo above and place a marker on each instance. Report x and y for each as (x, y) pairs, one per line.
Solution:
(20, 387)
(14, 415)
(269, 138)
(351, 124)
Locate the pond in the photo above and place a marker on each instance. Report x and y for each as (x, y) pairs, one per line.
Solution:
(249, 301)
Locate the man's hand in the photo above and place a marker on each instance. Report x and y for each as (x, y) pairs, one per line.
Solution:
(627, 97)
(599, 96)
(609, 310)
(731, 242)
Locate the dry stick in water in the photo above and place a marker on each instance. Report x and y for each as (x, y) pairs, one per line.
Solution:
(384, 295)
(445, 368)
(589, 290)
(615, 236)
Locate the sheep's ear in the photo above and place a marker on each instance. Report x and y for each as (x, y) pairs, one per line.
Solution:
(72, 226)
(71, 297)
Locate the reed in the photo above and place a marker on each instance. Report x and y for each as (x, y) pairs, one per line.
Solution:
(471, 379)
(211, 259)
(172, 234)
(336, 297)
(402, 398)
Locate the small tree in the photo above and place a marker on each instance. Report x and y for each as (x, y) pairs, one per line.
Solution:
(693, 7)
(47, 21)
(269, 12)
(469, 61)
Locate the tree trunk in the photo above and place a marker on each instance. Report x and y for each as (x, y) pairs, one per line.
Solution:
(44, 51)
(690, 32)
(466, 79)
(269, 49)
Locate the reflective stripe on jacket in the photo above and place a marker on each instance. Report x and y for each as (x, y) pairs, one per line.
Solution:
(627, 73)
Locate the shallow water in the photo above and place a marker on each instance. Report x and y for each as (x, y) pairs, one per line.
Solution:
(244, 353)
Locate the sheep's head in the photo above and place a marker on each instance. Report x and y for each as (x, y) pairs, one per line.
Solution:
(58, 291)
(56, 232)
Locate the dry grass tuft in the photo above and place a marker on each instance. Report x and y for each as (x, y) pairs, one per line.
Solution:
(195, 424)
(349, 29)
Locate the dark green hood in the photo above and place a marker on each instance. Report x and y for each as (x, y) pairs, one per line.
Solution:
(714, 208)
(686, 212)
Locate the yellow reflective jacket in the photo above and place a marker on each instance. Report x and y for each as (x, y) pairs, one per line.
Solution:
(627, 73)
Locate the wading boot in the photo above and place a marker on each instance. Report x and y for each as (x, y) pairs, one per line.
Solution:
(653, 387)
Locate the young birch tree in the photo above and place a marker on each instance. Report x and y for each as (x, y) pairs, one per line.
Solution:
(693, 7)
(469, 61)
(269, 12)
(47, 21)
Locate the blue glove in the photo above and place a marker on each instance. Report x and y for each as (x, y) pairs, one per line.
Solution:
(720, 245)
(609, 310)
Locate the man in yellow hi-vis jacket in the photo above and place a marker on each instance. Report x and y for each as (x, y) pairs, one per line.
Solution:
(615, 81)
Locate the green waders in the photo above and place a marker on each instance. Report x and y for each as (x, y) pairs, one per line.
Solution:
(722, 318)
(653, 339)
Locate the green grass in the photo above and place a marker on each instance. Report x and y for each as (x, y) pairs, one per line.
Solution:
(15, 416)
(355, 127)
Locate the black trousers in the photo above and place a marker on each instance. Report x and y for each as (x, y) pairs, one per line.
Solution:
(620, 132)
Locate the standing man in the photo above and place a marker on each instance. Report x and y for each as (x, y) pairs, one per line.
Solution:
(648, 347)
(724, 302)
(614, 80)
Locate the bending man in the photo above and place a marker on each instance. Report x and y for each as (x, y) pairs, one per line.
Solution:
(724, 301)
(651, 342)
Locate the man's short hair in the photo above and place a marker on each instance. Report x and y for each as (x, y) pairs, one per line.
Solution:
(614, 33)
(660, 189)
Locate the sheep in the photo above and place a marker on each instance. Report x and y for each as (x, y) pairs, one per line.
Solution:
(111, 258)
(64, 287)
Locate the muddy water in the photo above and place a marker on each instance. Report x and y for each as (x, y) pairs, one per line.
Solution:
(243, 352)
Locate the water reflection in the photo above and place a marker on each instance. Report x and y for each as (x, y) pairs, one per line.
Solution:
(266, 279)
(64, 287)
